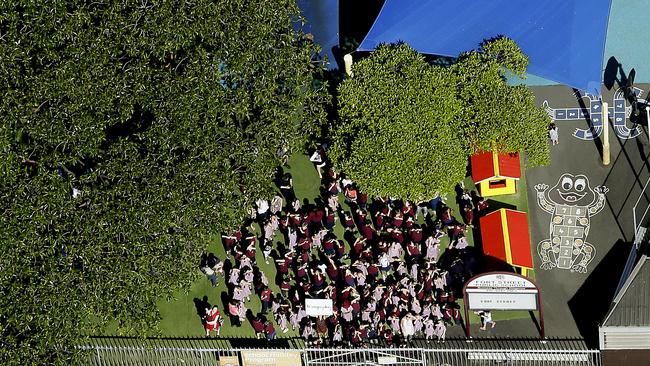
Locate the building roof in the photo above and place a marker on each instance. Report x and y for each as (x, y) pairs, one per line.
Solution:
(631, 306)
(517, 223)
(509, 165)
(492, 235)
(486, 166)
(504, 234)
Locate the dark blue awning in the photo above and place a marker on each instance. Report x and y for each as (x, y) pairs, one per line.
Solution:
(564, 39)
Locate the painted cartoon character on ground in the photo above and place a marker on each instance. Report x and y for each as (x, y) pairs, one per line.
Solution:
(571, 202)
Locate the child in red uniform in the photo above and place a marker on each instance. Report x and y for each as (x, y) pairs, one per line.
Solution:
(213, 321)
(258, 327)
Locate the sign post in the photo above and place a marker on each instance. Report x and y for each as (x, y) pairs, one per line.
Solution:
(605, 133)
(501, 291)
(347, 60)
(647, 117)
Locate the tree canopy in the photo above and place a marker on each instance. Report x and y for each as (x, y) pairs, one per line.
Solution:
(131, 132)
(497, 116)
(407, 128)
(398, 129)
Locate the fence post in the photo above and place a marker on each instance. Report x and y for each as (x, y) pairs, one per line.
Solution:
(99, 356)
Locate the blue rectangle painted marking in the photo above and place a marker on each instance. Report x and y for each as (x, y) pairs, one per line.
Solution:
(572, 113)
(619, 106)
(596, 118)
(596, 107)
(619, 117)
(584, 113)
(560, 114)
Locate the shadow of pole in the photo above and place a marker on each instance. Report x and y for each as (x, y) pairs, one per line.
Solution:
(586, 111)
(535, 321)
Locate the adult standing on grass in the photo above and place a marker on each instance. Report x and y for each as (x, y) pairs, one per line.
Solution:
(319, 161)
(213, 321)
(286, 187)
(265, 297)
(212, 267)
(263, 209)
(233, 311)
(408, 329)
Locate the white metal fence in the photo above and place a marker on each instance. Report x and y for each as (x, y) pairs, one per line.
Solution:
(143, 356)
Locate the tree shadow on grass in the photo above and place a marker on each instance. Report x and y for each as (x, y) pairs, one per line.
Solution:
(591, 302)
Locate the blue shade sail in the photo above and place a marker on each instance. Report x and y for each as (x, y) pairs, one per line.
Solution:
(323, 22)
(564, 39)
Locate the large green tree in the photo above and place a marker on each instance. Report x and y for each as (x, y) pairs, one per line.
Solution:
(398, 129)
(407, 128)
(497, 116)
(131, 131)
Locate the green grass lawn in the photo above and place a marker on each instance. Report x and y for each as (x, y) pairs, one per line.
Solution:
(519, 202)
(179, 316)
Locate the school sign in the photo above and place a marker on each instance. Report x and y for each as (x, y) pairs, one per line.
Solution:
(501, 291)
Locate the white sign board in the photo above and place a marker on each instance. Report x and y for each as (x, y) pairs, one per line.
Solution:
(501, 291)
(501, 301)
(386, 360)
(318, 307)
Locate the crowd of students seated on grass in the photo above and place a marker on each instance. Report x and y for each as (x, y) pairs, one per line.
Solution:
(391, 285)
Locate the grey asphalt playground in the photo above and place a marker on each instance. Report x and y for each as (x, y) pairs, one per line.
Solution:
(575, 302)
(581, 233)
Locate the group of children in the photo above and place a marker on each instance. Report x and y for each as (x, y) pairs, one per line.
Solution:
(385, 275)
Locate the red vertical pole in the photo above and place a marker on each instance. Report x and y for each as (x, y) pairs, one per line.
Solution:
(542, 333)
